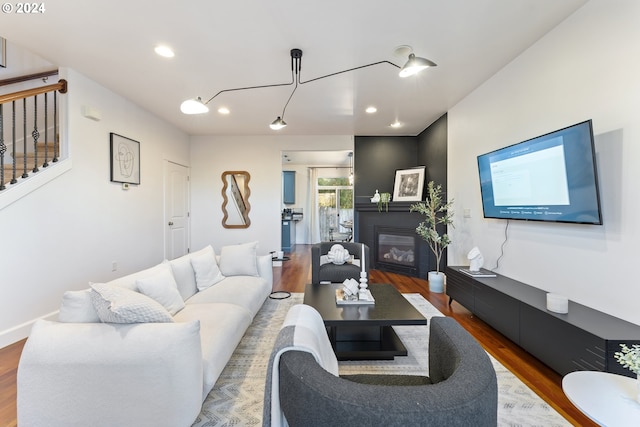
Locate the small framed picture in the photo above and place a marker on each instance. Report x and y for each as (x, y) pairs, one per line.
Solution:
(125, 159)
(409, 184)
(3, 52)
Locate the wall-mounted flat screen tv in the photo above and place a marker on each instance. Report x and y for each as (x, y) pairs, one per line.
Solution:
(551, 178)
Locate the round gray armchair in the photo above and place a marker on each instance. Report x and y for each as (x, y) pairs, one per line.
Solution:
(461, 389)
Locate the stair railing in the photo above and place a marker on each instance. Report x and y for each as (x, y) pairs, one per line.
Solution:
(9, 138)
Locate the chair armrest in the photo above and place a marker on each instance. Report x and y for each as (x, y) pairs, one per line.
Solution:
(79, 374)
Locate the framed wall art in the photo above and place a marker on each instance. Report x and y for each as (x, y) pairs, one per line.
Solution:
(125, 159)
(409, 184)
(3, 52)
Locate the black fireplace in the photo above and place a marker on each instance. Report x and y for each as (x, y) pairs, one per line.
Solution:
(396, 250)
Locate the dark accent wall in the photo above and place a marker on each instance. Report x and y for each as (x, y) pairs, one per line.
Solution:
(432, 151)
(376, 159)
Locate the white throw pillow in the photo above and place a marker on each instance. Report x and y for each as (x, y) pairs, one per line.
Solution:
(76, 307)
(239, 260)
(206, 270)
(115, 304)
(163, 288)
(184, 274)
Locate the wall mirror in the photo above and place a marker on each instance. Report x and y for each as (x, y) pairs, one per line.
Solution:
(235, 194)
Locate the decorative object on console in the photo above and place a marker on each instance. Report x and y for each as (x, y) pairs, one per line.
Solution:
(437, 212)
(476, 260)
(557, 303)
(376, 197)
(409, 184)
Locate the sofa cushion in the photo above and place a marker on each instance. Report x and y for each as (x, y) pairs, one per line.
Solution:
(221, 328)
(239, 260)
(76, 307)
(206, 269)
(129, 281)
(162, 287)
(246, 291)
(115, 304)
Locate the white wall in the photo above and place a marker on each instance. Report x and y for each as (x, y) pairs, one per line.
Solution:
(69, 231)
(586, 68)
(260, 156)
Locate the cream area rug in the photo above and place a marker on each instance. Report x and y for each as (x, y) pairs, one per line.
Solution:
(236, 399)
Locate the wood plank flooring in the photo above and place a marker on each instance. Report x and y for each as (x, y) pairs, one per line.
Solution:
(292, 277)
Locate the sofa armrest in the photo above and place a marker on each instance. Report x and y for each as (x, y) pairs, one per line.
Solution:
(265, 268)
(100, 374)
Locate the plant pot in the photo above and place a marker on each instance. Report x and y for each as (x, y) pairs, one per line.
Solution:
(436, 282)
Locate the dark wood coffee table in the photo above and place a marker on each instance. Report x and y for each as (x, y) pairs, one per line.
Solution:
(364, 332)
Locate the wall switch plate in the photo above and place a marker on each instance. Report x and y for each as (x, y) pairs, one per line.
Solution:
(467, 213)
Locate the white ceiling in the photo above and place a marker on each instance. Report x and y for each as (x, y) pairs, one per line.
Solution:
(223, 45)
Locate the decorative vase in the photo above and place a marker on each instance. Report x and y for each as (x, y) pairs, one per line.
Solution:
(436, 282)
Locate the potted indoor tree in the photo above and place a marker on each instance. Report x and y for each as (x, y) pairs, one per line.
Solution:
(437, 213)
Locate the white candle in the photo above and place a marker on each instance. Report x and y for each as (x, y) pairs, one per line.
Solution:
(362, 258)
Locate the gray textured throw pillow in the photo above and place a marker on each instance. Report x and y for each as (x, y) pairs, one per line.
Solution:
(121, 305)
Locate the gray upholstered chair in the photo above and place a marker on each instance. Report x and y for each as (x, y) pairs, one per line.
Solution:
(330, 272)
(461, 389)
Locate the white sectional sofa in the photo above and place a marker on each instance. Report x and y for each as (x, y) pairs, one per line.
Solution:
(144, 349)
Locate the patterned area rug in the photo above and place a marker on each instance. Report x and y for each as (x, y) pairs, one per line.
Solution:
(236, 399)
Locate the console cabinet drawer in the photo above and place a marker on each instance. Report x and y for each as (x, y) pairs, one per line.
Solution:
(460, 288)
(560, 345)
(499, 310)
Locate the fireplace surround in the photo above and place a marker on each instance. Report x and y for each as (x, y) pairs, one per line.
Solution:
(397, 227)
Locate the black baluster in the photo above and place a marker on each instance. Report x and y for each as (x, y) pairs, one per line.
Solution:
(3, 148)
(35, 134)
(24, 138)
(46, 133)
(56, 142)
(13, 139)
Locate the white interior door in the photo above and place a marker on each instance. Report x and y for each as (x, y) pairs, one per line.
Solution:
(176, 210)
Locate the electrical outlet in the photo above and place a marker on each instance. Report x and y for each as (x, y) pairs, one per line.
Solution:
(114, 266)
(467, 213)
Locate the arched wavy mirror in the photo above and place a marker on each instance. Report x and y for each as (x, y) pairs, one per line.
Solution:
(235, 193)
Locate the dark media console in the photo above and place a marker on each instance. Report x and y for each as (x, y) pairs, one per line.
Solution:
(584, 339)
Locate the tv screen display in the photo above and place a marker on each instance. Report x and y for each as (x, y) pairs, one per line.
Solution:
(548, 178)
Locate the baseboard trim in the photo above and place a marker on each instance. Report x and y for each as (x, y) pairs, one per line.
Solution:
(22, 331)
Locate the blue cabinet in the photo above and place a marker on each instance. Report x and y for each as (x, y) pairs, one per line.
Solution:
(288, 235)
(288, 187)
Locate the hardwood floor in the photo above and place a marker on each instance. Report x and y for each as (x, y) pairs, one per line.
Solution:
(293, 276)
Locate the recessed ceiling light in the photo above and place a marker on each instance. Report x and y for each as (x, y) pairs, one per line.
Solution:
(223, 110)
(371, 110)
(395, 124)
(164, 51)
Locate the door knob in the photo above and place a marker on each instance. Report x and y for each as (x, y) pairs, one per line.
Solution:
(170, 222)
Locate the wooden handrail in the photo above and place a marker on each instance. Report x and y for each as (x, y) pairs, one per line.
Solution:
(61, 86)
(28, 77)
